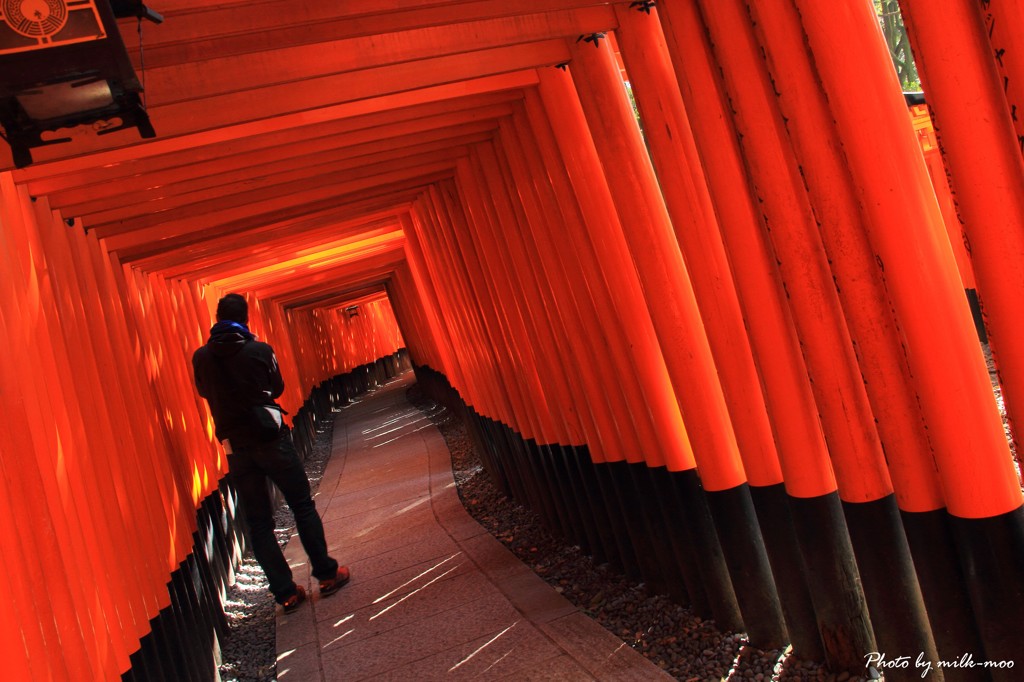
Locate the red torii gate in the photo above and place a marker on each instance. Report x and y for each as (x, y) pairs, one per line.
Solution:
(732, 354)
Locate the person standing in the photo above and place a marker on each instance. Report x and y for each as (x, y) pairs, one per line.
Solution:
(239, 377)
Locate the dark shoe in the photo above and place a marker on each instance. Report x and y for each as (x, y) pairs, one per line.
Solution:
(295, 601)
(332, 585)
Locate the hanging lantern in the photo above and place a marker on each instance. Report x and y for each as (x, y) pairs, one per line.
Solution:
(64, 64)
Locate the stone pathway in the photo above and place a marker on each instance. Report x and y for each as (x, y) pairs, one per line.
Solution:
(433, 596)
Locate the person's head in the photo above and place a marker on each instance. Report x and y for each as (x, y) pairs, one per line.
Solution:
(233, 307)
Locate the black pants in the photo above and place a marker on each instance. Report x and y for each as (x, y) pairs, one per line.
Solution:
(250, 467)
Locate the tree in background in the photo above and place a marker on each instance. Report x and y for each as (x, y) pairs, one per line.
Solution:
(895, 33)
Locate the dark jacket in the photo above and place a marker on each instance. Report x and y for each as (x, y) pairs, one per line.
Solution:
(234, 371)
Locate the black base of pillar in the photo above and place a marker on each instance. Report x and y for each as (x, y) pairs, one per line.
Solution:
(633, 524)
(649, 507)
(183, 640)
(945, 591)
(582, 512)
(503, 453)
(773, 516)
(890, 585)
(592, 497)
(992, 556)
(676, 523)
(615, 513)
(570, 523)
(709, 557)
(544, 485)
(745, 555)
(834, 582)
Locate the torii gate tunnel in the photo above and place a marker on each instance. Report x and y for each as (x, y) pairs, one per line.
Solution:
(711, 326)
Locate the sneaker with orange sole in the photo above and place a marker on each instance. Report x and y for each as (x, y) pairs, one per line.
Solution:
(295, 601)
(332, 585)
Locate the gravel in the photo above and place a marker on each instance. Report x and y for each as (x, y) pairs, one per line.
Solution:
(248, 653)
(675, 639)
(998, 392)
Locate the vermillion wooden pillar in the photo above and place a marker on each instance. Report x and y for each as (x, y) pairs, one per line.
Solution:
(624, 442)
(629, 372)
(609, 247)
(635, 444)
(888, 380)
(559, 302)
(490, 213)
(513, 280)
(421, 339)
(502, 322)
(674, 154)
(966, 94)
(970, 422)
(595, 341)
(433, 308)
(669, 298)
(507, 321)
(844, 624)
(816, 277)
(684, 190)
(647, 511)
(660, 269)
(497, 397)
(16, 626)
(484, 330)
(533, 246)
(477, 371)
(1003, 21)
(642, 536)
(981, 487)
(582, 194)
(130, 407)
(652, 560)
(136, 290)
(846, 414)
(803, 138)
(41, 614)
(101, 463)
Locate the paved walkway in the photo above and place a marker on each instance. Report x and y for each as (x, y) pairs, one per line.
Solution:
(433, 596)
